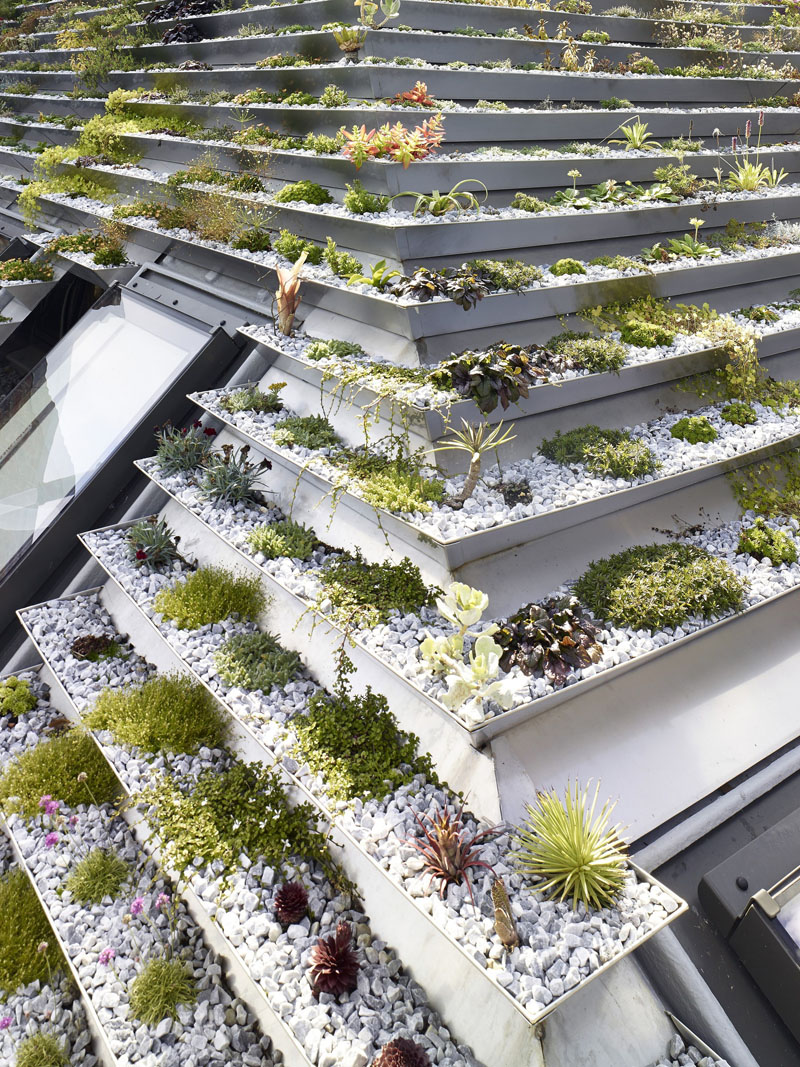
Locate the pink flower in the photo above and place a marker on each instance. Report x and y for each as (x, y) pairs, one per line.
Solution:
(137, 907)
(73, 820)
(43, 946)
(106, 956)
(761, 118)
(162, 900)
(734, 143)
(748, 129)
(51, 807)
(5, 1022)
(43, 801)
(51, 839)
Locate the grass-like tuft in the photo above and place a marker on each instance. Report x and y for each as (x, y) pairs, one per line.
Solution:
(42, 1050)
(100, 874)
(53, 767)
(160, 988)
(23, 928)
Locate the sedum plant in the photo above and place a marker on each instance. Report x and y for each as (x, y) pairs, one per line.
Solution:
(256, 661)
(567, 266)
(209, 595)
(303, 191)
(16, 697)
(395, 142)
(695, 429)
(253, 398)
(555, 637)
(652, 587)
(765, 542)
(305, 431)
(571, 850)
(284, 538)
(448, 851)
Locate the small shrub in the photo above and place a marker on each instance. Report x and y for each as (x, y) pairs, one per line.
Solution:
(333, 96)
(613, 103)
(567, 266)
(395, 484)
(524, 202)
(252, 398)
(53, 766)
(23, 927)
(595, 354)
(361, 202)
(341, 263)
(16, 697)
(256, 661)
(650, 587)
(739, 414)
(167, 713)
(366, 594)
(284, 538)
(353, 741)
(305, 431)
(159, 989)
(101, 873)
(696, 429)
(42, 1050)
(209, 595)
(645, 334)
(253, 239)
(303, 191)
(609, 453)
(510, 274)
(292, 247)
(762, 541)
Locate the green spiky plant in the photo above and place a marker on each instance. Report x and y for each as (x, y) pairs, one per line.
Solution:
(476, 441)
(159, 989)
(42, 1050)
(571, 850)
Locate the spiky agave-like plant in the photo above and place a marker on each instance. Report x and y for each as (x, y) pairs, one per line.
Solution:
(402, 1052)
(334, 964)
(448, 852)
(570, 846)
(475, 441)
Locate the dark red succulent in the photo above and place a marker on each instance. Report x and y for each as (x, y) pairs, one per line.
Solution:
(448, 850)
(334, 965)
(402, 1052)
(291, 903)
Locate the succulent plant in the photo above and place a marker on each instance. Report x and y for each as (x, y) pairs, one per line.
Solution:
(291, 903)
(554, 637)
(503, 916)
(448, 852)
(402, 1052)
(334, 964)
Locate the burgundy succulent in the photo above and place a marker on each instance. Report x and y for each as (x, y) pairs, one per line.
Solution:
(449, 853)
(291, 903)
(401, 1052)
(334, 966)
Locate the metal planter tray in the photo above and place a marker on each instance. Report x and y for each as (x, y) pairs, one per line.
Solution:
(480, 1009)
(493, 728)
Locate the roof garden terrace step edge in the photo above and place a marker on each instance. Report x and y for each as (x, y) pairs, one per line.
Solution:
(100, 1038)
(380, 80)
(559, 394)
(312, 491)
(406, 693)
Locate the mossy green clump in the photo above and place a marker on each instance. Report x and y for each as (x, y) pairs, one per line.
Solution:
(292, 247)
(595, 354)
(284, 538)
(16, 697)
(765, 542)
(394, 484)
(510, 274)
(101, 873)
(219, 816)
(53, 767)
(303, 191)
(159, 989)
(609, 453)
(42, 1050)
(332, 349)
(361, 202)
(651, 587)
(645, 334)
(525, 202)
(696, 429)
(252, 398)
(739, 414)
(167, 713)
(305, 431)
(23, 927)
(366, 594)
(567, 266)
(354, 743)
(256, 661)
(209, 595)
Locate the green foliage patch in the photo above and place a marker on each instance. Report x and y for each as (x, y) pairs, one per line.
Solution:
(23, 927)
(101, 873)
(52, 766)
(765, 542)
(159, 989)
(256, 661)
(609, 453)
(284, 538)
(209, 595)
(16, 697)
(366, 594)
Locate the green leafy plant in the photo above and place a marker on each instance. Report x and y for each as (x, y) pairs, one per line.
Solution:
(607, 452)
(651, 587)
(332, 349)
(502, 374)
(159, 989)
(341, 263)
(361, 202)
(436, 203)
(209, 595)
(305, 431)
(555, 637)
(510, 274)
(152, 542)
(305, 191)
(293, 247)
(219, 816)
(394, 484)
(25, 270)
(53, 766)
(595, 354)
(766, 542)
(567, 266)
(283, 538)
(253, 398)
(379, 278)
(229, 477)
(570, 851)
(739, 414)
(645, 334)
(353, 742)
(366, 594)
(23, 927)
(16, 697)
(101, 873)
(256, 661)
(42, 1050)
(696, 429)
(636, 136)
(166, 713)
(334, 96)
